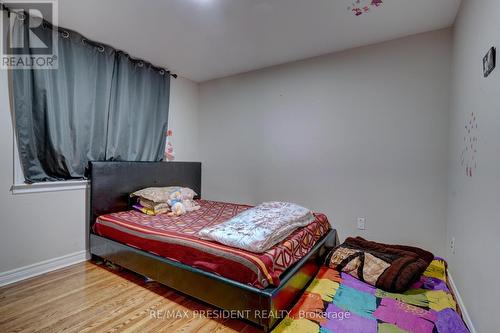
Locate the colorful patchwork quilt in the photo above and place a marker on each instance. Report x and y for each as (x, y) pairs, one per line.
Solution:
(339, 303)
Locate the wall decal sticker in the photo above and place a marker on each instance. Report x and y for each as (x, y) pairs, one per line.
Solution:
(469, 152)
(489, 62)
(359, 7)
(169, 146)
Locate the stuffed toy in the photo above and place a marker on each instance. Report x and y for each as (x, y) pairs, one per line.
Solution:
(175, 203)
(181, 202)
(177, 209)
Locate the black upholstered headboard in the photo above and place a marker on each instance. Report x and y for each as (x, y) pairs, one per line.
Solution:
(112, 182)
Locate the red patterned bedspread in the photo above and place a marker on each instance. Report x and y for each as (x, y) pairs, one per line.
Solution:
(176, 238)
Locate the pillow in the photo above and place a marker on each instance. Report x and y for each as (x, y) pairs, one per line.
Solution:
(150, 211)
(392, 268)
(151, 208)
(163, 194)
(158, 208)
(187, 193)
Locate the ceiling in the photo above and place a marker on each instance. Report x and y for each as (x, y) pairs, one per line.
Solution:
(208, 39)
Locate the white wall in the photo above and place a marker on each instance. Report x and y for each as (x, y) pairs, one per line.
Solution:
(474, 202)
(183, 118)
(358, 133)
(34, 227)
(37, 227)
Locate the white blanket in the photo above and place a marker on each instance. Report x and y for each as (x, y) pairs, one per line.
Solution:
(259, 228)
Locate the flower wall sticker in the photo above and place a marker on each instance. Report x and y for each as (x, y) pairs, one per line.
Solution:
(169, 146)
(359, 7)
(469, 152)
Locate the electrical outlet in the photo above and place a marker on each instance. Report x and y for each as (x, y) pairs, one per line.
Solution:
(361, 223)
(452, 245)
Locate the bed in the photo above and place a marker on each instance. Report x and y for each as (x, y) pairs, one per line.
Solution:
(260, 288)
(338, 302)
(175, 238)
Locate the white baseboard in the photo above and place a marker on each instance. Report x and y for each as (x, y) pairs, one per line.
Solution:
(461, 304)
(42, 267)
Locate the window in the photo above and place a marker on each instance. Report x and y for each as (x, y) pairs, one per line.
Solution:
(20, 187)
(119, 113)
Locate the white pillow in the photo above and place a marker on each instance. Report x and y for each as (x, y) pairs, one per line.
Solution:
(163, 194)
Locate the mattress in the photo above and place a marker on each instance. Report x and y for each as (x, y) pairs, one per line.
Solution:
(337, 302)
(175, 238)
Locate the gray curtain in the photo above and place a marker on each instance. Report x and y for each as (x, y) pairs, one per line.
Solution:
(98, 105)
(137, 132)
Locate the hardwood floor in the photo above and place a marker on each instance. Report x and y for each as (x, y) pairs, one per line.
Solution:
(90, 297)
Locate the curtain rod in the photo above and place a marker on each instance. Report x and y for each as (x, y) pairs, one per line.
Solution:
(9, 11)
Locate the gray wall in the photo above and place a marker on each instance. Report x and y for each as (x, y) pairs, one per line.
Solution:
(474, 203)
(361, 133)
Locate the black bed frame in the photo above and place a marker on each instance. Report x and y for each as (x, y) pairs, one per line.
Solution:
(111, 184)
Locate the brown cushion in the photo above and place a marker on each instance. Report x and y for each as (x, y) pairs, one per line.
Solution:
(392, 268)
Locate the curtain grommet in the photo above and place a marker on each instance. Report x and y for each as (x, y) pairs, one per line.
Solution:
(162, 72)
(140, 64)
(64, 34)
(101, 48)
(21, 16)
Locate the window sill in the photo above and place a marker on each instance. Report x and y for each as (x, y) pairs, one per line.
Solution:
(69, 185)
